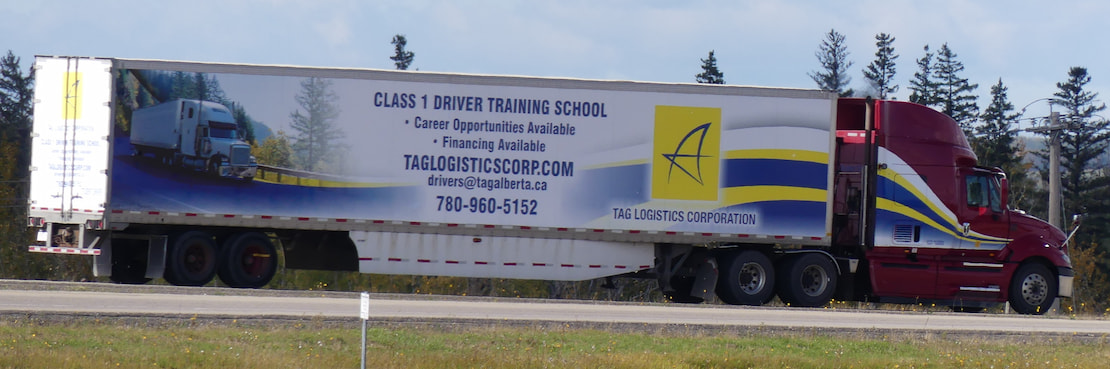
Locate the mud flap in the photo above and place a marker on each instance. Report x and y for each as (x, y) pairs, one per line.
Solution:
(705, 281)
(156, 256)
(102, 264)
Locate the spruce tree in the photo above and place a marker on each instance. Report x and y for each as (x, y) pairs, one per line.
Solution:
(880, 73)
(996, 145)
(955, 95)
(923, 90)
(833, 56)
(401, 58)
(1084, 138)
(709, 72)
(16, 96)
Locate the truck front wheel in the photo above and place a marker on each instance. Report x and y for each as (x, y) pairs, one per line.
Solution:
(1033, 289)
(191, 260)
(249, 261)
(747, 278)
(807, 280)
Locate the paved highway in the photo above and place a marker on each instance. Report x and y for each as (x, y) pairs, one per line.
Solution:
(221, 302)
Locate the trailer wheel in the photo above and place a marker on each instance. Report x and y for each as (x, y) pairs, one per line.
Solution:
(192, 259)
(1033, 289)
(249, 261)
(807, 280)
(748, 278)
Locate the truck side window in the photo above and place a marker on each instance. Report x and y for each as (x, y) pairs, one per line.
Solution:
(982, 192)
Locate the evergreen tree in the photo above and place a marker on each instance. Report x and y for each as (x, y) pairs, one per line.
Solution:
(709, 72)
(197, 86)
(923, 90)
(1084, 138)
(833, 56)
(315, 128)
(243, 121)
(955, 95)
(183, 87)
(16, 96)
(880, 73)
(996, 145)
(401, 58)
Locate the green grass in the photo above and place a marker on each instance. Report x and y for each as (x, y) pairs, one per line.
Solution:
(189, 343)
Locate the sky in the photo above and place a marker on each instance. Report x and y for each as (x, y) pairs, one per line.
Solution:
(1029, 45)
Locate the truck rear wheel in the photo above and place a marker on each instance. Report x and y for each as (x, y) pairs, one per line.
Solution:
(1033, 289)
(748, 278)
(249, 261)
(807, 280)
(192, 259)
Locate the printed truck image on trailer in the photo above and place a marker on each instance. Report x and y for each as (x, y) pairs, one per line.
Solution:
(743, 193)
(201, 135)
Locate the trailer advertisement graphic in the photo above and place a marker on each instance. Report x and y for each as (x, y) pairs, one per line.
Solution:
(412, 147)
(687, 145)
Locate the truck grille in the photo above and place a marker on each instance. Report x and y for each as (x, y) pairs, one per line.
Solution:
(240, 155)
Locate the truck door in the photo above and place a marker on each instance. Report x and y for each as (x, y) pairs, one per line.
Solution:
(903, 262)
(973, 270)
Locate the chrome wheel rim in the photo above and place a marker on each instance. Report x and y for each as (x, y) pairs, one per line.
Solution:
(752, 278)
(814, 280)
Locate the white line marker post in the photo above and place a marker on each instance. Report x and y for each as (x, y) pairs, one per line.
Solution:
(364, 313)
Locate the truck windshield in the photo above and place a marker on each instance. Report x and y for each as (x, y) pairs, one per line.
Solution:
(222, 130)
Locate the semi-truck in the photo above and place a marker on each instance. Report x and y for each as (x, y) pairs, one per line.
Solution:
(201, 135)
(743, 193)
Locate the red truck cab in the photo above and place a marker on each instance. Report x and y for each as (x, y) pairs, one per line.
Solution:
(936, 227)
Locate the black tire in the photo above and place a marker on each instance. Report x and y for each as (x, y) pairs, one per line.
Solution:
(128, 262)
(192, 259)
(806, 280)
(1033, 289)
(747, 278)
(249, 261)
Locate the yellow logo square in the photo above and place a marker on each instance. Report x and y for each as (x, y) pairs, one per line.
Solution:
(686, 160)
(71, 108)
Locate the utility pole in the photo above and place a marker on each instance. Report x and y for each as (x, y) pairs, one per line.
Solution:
(1054, 130)
(1054, 192)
